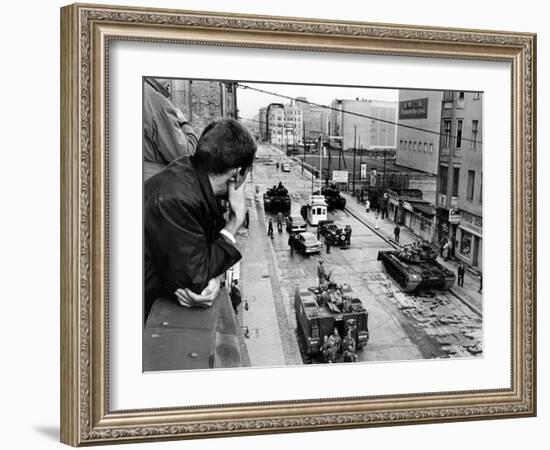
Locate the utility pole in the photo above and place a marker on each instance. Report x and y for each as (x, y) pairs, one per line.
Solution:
(303, 142)
(321, 158)
(354, 152)
(384, 176)
(329, 160)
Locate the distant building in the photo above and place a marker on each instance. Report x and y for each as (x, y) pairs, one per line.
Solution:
(262, 124)
(418, 149)
(283, 124)
(315, 119)
(459, 189)
(366, 132)
(202, 101)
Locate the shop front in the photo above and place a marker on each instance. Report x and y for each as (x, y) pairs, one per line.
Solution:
(470, 240)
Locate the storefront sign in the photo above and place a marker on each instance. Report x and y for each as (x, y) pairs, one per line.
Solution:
(413, 109)
(454, 216)
(471, 222)
(363, 171)
(340, 176)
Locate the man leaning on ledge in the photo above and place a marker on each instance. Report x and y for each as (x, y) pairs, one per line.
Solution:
(188, 243)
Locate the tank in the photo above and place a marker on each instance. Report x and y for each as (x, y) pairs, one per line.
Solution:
(415, 268)
(320, 310)
(276, 199)
(333, 197)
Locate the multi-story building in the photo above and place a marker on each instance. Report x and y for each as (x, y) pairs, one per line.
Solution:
(459, 188)
(370, 126)
(418, 134)
(202, 101)
(315, 119)
(283, 124)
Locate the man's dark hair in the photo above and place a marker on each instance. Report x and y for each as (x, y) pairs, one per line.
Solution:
(224, 144)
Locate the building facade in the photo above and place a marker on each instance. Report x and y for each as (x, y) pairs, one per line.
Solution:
(315, 119)
(377, 130)
(459, 196)
(283, 124)
(202, 101)
(418, 147)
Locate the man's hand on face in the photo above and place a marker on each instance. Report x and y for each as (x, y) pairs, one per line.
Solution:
(205, 299)
(236, 199)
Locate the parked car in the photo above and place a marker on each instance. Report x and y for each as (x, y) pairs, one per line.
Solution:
(295, 224)
(285, 167)
(307, 243)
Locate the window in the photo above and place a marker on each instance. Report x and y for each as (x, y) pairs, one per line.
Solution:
(461, 95)
(470, 187)
(401, 144)
(414, 146)
(431, 148)
(465, 243)
(446, 133)
(475, 126)
(410, 146)
(443, 172)
(456, 175)
(477, 95)
(425, 147)
(447, 95)
(459, 133)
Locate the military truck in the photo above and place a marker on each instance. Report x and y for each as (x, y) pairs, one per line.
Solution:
(320, 310)
(276, 199)
(415, 268)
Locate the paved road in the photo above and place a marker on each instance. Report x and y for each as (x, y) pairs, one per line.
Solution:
(401, 327)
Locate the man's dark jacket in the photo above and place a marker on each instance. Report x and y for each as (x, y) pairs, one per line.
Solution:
(183, 219)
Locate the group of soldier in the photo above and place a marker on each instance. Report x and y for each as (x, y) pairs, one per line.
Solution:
(334, 348)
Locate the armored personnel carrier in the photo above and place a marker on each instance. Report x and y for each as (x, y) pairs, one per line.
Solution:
(415, 268)
(333, 197)
(320, 310)
(276, 199)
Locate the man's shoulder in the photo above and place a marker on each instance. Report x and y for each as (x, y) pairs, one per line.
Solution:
(175, 184)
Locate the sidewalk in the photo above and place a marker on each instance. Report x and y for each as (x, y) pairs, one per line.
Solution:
(469, 292)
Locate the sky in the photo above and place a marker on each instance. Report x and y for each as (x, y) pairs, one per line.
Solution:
(249, 101)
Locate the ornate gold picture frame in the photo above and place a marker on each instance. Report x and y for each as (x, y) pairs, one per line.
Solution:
(87, 31)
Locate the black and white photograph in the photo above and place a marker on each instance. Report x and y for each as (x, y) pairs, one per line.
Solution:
(295, 224)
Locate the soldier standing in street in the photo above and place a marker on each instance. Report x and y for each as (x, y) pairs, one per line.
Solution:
(347, 230)
(246, 219)
(291, 242)
(321, 274)
(327, 242)
(270, 228)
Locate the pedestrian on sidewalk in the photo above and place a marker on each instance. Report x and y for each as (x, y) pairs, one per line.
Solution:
(460, 272)
(376, 218)
(270, 228)
(396, 232)
(235, 295)
(321, 274)
(246, 219)
(291, 242)
(447, 250)
(367, 205)
(480, 283)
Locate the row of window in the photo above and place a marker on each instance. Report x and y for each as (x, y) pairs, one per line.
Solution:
(450, 95)
(470, 187)
(447, 134)
(415, 146)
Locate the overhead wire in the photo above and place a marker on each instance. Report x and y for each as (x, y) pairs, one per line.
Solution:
(353, 113)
